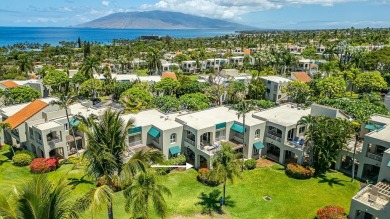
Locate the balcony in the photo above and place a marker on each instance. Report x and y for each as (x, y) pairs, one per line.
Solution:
(54, 140)
(221, 138)
(376, 196)
(135, 143)
(189, 141)
(274, 137)
(15, 133)
(377, 157)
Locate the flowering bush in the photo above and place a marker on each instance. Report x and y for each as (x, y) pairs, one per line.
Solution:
(205, 177)
(21, 160)
(331, 212)
(42, 165)
(297, 171)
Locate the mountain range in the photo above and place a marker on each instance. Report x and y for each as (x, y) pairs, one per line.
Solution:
(160, 20)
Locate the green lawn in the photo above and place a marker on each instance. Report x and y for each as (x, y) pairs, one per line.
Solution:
(290, 198)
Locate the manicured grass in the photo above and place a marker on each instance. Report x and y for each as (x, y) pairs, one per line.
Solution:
(290, 198)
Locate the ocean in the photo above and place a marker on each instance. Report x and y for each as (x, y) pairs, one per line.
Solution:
(54, 35)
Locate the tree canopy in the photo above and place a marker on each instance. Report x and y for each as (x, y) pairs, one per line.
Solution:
(20, 94)
(136, 99)
(370, 81)
(331, 87)
(196, 101)
(167, 86)
(55, 79)
(88, 86)
(298, 91)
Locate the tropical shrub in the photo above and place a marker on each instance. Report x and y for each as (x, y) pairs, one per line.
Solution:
(179, 160)
(75, 161)
(42, 165)
(331, 212)
(297, 171)
(205, 177)
(32, 155)
(22, 160)
(250, 164)
(264, 104)
(115, 186)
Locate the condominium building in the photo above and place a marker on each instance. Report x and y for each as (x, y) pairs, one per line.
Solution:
(284, 139)
(204, 131)
(276, 87)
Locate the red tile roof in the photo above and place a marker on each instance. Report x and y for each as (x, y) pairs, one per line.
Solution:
(301, 76)
(169, 75)
(9, 84)
(27, 112)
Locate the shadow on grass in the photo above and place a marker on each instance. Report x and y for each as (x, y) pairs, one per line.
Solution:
(331, 181)
(76, 181)
(210, 202)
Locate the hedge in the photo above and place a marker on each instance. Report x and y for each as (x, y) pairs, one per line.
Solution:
(22, 160)
(297, 171)
(331, 212)
(179, 160)
(32, 155)
(3, 159)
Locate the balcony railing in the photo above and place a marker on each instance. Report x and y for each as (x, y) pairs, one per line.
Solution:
(274, 137)
(40, 141)
(135, 143)
(15, 133)
(238, 135)
(57, 139)
(221, 138)
(372, 200)
(374, 156)
(189, 141)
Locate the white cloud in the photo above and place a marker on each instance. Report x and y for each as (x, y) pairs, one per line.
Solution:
(232, 9)
(105, 3)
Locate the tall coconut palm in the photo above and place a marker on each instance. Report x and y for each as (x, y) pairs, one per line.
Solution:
(356, 127)
(38, 198)
(243, 107)
(25, 64)
(90, 65)
(65, 99)
(145, 189)
(226, 166)
(154, 61)
(106, 146)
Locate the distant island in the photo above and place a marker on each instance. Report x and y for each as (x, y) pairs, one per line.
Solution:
(160, 20)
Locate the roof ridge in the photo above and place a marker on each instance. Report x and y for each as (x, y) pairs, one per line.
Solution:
(25, 113)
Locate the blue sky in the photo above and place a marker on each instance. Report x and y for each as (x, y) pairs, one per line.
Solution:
(290, 14)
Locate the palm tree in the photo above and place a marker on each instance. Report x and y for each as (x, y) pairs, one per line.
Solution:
(65, 99)
(154, 62)
(25, 64)
(243, 107)
(38, 198)
(90, 65)
(356, 127)
(106, 146)
(226, 166)
(146, 188)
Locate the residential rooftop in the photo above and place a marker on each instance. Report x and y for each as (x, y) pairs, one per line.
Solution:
(381, 134)
(380, 119)
(153, 117)
(210, 117)
(276, 79)
(285, 115)
(47, 125)
(12, 109)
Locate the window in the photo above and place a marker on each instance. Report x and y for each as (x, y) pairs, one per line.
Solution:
(275, 87)
(257, 134)
(255, 151)
(301, 129)
(173, 138)
(66, 126)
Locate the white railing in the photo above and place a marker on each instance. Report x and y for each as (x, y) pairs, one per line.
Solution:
(221, 138)
(135, 143)
(374, 156)
(238, 135)
(189, 141)
(371, 202)
(274, 137)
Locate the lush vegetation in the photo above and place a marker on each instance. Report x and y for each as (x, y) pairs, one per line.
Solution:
(186, 191)
(22, 160)
(331, 212)
(297, 171)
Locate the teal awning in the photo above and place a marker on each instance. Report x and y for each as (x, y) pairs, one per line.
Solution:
(220, 125)
(258, 145)
(154, 132)
(174, 150)
(74, 122)
(238, 128)
(134, 130)
(373, 127)
(388, 164)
